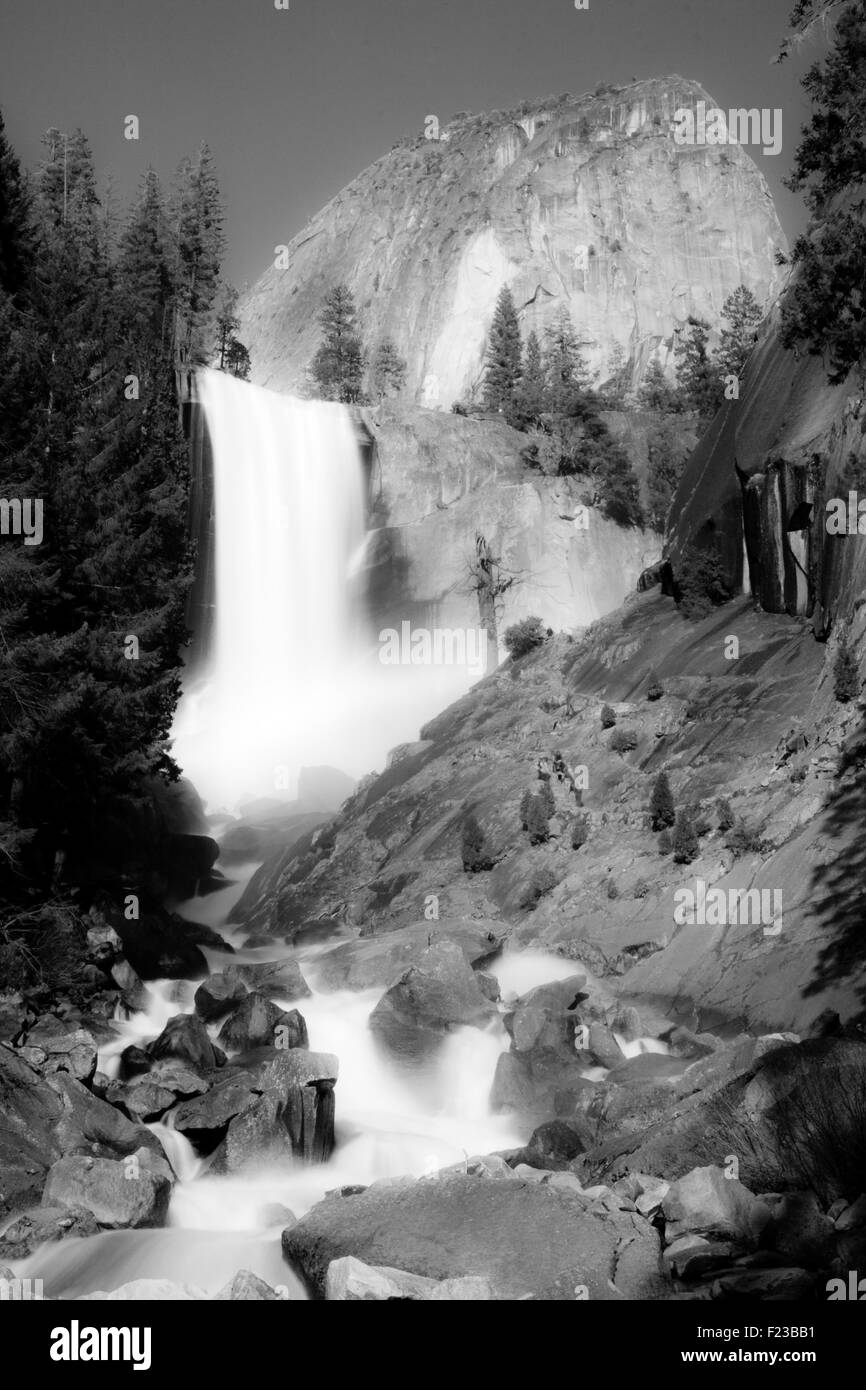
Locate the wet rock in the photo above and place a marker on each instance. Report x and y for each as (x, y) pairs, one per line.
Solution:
(381, 960)
(42, 1224)
(351, 1281)
(646, 1068)
(684, 1043)
(799, 1229)
(88, 1125)
(553, 1145)
(29, 1112)
(626, 1023)
(186, 1037)
(290, 1113)
(488, 984)
(118, 1194)
(438, 994)
(143, 1101)
(218, 995)
(172, 1075)
(134, 1061)
(203, 1119)
(773, 1284)
(256, 1022)
(135, 994)
(852, 1217)
(278, 979)
(603, 1046)
(247, 1287)
(54, 1046)
(691, 1256)
(160, 945)
(706, 1202)
(149, 1291)
(526, 1239)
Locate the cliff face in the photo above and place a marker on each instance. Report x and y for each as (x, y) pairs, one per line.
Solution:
(757, 485)
(439, 479)
(579, 201)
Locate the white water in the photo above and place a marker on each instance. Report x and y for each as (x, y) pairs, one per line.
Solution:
(295, 678)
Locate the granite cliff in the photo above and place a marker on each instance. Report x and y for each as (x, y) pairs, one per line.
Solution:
(582, 201)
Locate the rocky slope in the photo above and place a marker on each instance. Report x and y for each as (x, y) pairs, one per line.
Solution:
(580, 201)
(763, 730)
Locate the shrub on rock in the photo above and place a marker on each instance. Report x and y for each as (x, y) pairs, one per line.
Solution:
(662, 808)
(686, 844)
(476, 857)
(623, 741)
(537, 822)
(608, 717)
(725, 814)
(524, 637)
(846, 677)
(579, 832)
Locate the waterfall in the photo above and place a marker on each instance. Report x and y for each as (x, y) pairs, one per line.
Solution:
(289, 625)
(294, 675)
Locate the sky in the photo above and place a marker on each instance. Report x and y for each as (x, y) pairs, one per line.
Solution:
(295, 102)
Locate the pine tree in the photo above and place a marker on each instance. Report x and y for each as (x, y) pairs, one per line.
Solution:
(387, 372)
(617, 387)
(566, 371)
(846, 674)
(696, 373)
(231, 353)
(743, 314)
(530, 397)
(656, 393)
(662, 803)
(824, 310)
(666, 459)
(196, 221)
(502, 365)
(338, 366)
(16, 249)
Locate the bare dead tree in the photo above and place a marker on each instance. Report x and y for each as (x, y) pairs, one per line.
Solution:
(490, 579)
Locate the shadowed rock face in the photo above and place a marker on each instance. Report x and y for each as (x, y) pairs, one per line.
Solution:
(756, 487)
(580, 201)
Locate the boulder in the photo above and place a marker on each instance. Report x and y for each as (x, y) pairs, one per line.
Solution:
(143, 1101)
(256, 1022)
(706, 1202)
(160, 945)
(204, 1119)
(646, 1068)
(148, 1291)
(29, 1112)
(690, 1257)
(186, 1037)
(351, 1281)
(247, 1287)
(379, 961)
(527, 1240)
(54, 1046)
(90, 1126)
(217, 996)
(553, 1145)
(41, 1225)
(290, 1113)
(278, 979)
(799, 1229)
(135, 994)
(174, 1076)
(488, 984)
(118, 1194)
(438, 994)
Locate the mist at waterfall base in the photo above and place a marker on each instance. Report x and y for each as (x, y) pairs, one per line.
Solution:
(294, 677)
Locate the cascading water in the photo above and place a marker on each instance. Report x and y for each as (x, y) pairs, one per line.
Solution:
(289, 629)
(294, 677)
(294, 680)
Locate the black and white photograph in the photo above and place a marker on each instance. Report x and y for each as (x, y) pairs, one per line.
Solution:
(432, 654)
